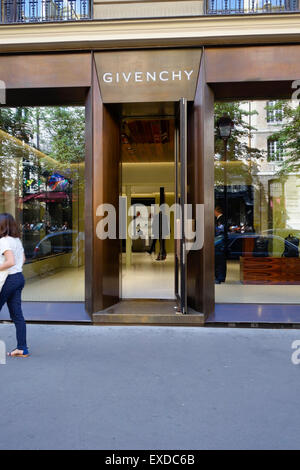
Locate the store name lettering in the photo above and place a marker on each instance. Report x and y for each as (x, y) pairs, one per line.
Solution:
(163, 76)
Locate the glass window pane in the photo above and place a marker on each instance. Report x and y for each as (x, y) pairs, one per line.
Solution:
(257, 197)
(42, 186)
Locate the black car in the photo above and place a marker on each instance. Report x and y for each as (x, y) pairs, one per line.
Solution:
(54, 243)
(258, 245)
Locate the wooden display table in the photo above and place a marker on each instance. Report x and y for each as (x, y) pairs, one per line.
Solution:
(260, 270)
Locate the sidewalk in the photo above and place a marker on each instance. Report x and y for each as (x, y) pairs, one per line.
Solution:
(88, 387)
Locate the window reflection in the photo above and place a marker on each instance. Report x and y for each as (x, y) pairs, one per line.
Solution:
(42, 185)
(257, 260)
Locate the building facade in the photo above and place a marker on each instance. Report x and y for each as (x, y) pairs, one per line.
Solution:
(112, 103)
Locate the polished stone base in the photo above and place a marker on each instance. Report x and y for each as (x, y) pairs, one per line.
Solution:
(147, 312)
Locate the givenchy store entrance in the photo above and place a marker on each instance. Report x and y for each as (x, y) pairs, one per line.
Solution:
(149, 171)
(152, 198)
(118, 92)
(149, 139)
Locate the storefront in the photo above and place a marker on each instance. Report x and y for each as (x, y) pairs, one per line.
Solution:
(149, 139)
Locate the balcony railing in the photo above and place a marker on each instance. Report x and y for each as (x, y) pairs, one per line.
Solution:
(34, 11)
(236, 7)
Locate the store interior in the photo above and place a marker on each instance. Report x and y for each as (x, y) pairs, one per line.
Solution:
(148, 174)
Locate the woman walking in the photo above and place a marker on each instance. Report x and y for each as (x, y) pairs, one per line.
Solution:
(12, 249)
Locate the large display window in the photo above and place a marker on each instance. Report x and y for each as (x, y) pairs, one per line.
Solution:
(42, 185)
(257, 203)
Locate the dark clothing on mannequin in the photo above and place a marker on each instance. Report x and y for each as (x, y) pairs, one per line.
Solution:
(160, 230)
(152, 246)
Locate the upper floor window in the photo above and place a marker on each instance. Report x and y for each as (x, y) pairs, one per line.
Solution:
(274, 112)
(23, 11)
(226, 7)
(275, 151)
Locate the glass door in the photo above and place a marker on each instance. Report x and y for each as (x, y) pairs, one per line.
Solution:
(181, 200)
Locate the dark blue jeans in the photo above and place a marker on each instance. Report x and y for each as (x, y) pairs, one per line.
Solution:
(11, 294)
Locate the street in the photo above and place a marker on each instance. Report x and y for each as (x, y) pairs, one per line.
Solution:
(93, 387)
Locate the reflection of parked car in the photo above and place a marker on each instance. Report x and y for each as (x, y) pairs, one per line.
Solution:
(30, 240)
(54, 243)
(254, 244)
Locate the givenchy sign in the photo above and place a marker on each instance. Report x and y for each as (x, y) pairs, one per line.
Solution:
(147, 75)
(163, 76)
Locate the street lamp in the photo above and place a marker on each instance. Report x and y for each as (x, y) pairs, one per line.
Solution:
(225, 126)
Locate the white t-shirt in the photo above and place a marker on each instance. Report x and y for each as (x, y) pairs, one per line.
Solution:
(15, 245)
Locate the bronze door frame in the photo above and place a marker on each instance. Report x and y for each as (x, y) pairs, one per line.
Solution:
(181, 201)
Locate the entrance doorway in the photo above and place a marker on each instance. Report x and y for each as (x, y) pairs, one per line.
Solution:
(184, 277)
(154, 182)
(148, 181)
(152, 175)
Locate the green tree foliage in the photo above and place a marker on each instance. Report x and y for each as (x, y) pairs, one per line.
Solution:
(17, 122)
(57, 131)
(238, 148)
(288, 136)
(63, 133)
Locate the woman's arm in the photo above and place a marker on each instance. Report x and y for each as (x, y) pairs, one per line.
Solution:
(9, 260)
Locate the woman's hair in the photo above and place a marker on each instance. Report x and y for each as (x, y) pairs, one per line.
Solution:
(8, 226)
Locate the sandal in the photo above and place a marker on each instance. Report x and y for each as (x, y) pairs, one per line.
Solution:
(25, 353)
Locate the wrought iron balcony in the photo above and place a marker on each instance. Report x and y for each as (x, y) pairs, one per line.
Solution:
(237, 7)
(35, 11)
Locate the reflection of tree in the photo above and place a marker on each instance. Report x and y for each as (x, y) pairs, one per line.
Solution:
(240, 171)
(288, 136)
(58, 131)
(287, 163)
(242, 159)
(36, 145)
(238, 149)
(63, 132)
(237, 172)
(19, 157)
(17, 122)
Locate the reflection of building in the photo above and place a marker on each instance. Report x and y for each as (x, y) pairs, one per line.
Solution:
(46, 205)
(269, 255)
(277, 199)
